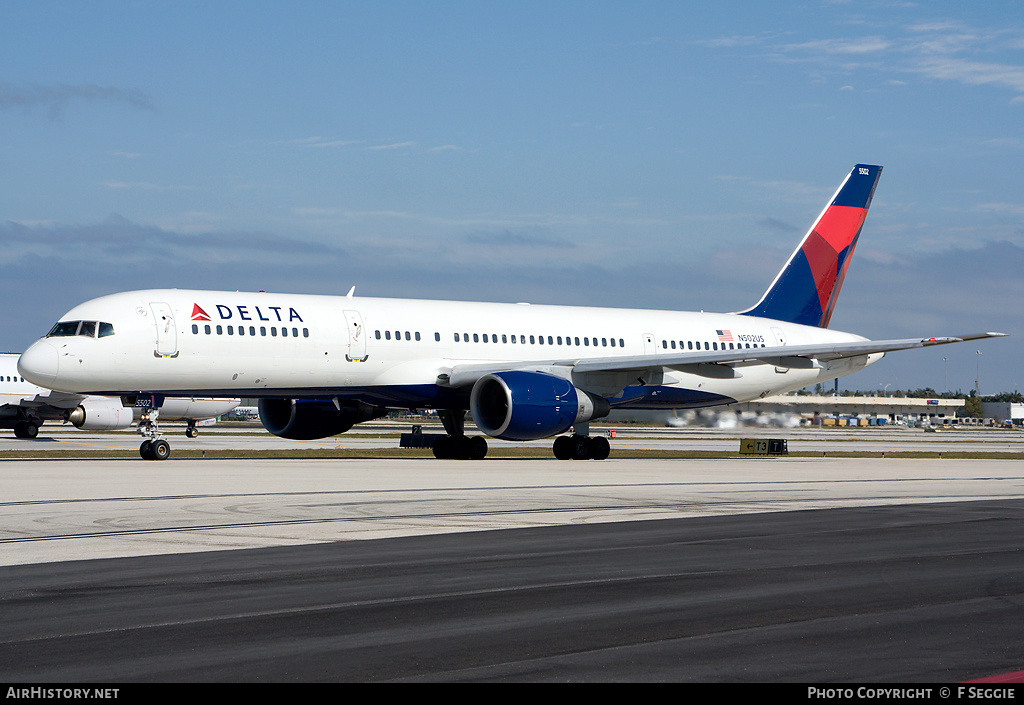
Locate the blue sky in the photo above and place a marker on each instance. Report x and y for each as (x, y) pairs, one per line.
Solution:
(655, 155)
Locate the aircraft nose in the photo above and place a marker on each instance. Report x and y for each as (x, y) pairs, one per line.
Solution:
(38, 364)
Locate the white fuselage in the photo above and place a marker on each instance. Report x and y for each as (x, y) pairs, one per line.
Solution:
(398, 352)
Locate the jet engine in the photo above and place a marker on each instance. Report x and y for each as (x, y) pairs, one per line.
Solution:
(525, 406)
(100, 414)
(307, 420)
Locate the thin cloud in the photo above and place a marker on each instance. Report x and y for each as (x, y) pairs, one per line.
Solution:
(861, 45)
(394, 145)
(945, 51)
(973, 72)
(144, 186)
(517, 238)
(56, 98)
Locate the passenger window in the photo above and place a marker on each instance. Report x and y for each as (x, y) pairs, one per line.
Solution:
(284, 332)
(241, 330)
(263, 331)
(305, 332)
(220, 330)
(195, 329)
(252, 330)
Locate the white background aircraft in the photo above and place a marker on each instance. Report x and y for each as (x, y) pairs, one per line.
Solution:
(320, 364)
(25, 406)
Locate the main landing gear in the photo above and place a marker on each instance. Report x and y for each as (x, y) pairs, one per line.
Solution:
(27, 429)
(581, 447)
(457, 445)
(460, 448)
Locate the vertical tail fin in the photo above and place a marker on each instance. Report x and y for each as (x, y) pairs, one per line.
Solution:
(806, 289)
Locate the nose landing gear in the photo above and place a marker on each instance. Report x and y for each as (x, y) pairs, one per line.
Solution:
(154, 447)
(155, 450)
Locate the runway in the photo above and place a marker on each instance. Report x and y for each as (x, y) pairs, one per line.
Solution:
(627, 438)
(754, 569)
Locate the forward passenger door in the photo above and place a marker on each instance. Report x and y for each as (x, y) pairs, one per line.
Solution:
(356, 337)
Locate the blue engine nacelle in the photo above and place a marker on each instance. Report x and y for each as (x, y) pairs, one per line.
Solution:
(306, 420)
(525, 406)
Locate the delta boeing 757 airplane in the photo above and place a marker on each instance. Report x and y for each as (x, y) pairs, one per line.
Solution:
(320, 364)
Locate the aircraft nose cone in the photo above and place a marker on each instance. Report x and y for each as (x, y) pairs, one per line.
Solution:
(38, 364)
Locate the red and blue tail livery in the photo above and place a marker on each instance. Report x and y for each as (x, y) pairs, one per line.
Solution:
(807, 288)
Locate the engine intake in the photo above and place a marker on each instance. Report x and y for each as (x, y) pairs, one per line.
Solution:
(525, 406)
(307, 420)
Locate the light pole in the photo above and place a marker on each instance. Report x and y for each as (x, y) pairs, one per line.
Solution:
(945, 374)
(977, 375)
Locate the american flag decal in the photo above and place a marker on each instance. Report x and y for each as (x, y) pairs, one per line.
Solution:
(724, 336)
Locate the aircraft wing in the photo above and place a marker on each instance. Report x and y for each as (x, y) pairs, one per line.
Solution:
(51, 399)
(709, 363)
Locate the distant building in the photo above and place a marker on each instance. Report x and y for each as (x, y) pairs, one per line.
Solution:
(891, 409)
(1003, 411)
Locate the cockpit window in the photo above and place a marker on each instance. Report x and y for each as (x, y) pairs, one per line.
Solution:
(64, 328)
(86, 328)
